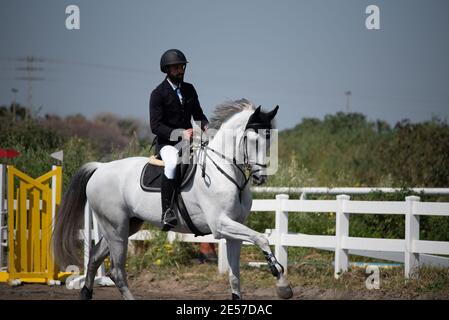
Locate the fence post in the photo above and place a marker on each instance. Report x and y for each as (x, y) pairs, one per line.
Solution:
(281, 227)
(3, 214)
(341, 230)
(96, 237)
(411, 259)
(223, 265)
(87, 234)
(171, 237)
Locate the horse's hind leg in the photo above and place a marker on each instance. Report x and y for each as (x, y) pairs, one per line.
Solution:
(233, 253)
(117, 239)
(98, 253)
(230, 229)
(118, 273)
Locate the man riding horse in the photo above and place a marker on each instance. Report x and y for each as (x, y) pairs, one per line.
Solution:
(172, 105)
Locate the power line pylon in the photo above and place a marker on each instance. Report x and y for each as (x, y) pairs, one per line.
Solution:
(30, 77)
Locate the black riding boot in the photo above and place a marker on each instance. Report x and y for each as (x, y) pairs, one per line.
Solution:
(167, 194)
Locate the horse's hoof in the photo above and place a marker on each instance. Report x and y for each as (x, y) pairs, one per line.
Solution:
(85, 294)
(236, 297)
(284, 292)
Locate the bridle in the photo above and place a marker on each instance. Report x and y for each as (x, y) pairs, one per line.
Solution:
(205, 147)
(255, 127)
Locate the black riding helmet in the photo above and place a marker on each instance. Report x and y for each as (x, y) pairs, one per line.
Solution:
(172, 56)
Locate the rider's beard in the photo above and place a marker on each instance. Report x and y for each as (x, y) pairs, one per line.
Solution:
(178, 78)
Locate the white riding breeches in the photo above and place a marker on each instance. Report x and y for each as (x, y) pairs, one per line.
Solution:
(169, 155)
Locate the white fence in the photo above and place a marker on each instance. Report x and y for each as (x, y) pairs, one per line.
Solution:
(411, 251)
(304, 191)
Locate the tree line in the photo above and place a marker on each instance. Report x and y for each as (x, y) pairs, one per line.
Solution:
(342, 149)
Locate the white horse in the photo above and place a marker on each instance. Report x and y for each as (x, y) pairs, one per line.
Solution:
(218, 201)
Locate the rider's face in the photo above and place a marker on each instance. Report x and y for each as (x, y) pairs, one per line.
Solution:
(176, 72)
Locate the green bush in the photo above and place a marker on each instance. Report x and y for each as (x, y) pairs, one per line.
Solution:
(159, 252)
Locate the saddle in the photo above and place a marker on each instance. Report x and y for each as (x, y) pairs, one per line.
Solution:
(150, 181)
(151, 177)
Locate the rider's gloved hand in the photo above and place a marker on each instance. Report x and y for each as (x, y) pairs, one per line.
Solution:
(187, 134)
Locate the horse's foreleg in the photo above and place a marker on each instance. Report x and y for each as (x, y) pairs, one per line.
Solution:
(233, 230)
(233, 253)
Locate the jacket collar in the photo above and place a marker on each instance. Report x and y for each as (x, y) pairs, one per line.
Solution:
(169, 89)
(172, 85)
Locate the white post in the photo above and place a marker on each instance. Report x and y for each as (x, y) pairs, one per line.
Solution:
(96, 236)
(223, 265)
(171, 236)
(341, 231)
(87, 234)
(3, 215)
(411, 259)
(281, 227)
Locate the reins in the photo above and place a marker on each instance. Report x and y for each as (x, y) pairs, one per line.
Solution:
(204, 147)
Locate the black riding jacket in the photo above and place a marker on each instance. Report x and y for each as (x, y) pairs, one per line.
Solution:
(167, 113)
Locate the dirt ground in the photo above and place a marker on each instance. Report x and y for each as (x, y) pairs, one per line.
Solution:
(174, 290)
(146, 286)
(43, 292)
(203, 283)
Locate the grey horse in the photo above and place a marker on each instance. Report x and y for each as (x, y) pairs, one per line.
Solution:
(217, 198)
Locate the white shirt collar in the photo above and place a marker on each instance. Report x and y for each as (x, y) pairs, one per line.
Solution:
(172, 85)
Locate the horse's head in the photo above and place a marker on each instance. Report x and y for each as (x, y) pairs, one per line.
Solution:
(244, 135)
(256, 143)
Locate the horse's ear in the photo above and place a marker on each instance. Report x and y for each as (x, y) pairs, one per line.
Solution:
(257, 109)
(272, 113)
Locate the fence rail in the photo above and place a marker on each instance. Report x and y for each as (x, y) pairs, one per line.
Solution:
(349, 190)
(304, 191)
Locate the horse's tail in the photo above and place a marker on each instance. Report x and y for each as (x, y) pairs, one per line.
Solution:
(65, 240)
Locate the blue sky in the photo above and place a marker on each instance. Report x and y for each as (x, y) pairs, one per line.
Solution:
(301, 55)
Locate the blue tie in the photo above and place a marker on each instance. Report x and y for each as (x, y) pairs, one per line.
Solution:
(178, 92)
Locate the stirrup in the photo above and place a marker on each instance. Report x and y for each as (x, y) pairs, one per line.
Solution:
(169, 220)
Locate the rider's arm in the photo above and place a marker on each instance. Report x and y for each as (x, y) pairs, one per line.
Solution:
(156, 117)
(197, 112)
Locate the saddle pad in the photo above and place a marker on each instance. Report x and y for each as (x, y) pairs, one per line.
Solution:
(151, 177)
